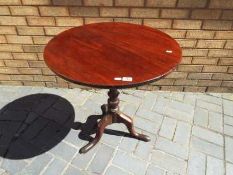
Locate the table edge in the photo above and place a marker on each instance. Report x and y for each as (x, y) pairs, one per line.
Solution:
(117, 86)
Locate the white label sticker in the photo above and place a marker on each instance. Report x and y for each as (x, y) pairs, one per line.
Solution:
(118, 78)
(123, 78)
(127, 78)
(169, 51)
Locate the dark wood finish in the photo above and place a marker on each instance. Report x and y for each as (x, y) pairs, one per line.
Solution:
(112, 55)
(96, 54)
(111, 114)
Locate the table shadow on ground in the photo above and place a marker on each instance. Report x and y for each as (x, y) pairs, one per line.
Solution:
(34, 124)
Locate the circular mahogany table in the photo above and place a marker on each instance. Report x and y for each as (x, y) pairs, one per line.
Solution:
(113, 56)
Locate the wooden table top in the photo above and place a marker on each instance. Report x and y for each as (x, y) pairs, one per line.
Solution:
(112, 55)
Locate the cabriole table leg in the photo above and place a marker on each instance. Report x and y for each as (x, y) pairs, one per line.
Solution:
(111, 114)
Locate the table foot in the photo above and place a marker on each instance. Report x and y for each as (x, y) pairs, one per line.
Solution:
(128, 121)
(103, 123)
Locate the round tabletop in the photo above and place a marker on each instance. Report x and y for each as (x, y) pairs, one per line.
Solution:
(112, 55)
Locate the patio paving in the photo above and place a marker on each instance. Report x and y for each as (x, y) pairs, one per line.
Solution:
(192, 133)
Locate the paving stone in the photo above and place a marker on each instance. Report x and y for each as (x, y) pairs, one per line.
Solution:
(181, 106)
(146, 125)
(229, 169)
(201, 117)
(228, 149)
(6, 173)
(78, 99)
(214, 166)
(148, 100)
(111, 139)
(206, 147)
(228, 120)
(118, 127)
(128, 144)
(99, 98)
(129, 91)
(228, 130)
(215, 121)
(82, 114)
(196, 163)
(13, 166)
(139, 93)
(227, 96)
(2, 104)
(103, 91)
(165, 94)
(169, 162)
(134, 165)
(101, 159)
(2, 171)
(6, 97)
(133, 156)
(58, 91)
(209, 106)
(210, 99)
(130, 109)
(168, 128)
(227, 107)
(179, 115)
(74, 171)
(172, 148)
(207, 135)
(182, 134)
(214, 94)
(189, 99)
(149, 115)
(64, 151)
(122, 104)
(83, 160)
(37, 165)
(29, 160)
(24, 90)
(72, 138)
(154, 170)
(143, 149)
(130, 99)
(93, 107)
(55, 167)
(177, 96)
(6, 88)
(171, 173)
(160, 105)
(112, 170)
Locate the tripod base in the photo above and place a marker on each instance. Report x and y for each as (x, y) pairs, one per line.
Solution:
(111, 114)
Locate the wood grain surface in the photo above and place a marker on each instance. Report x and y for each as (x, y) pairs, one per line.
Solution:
(108, 55)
